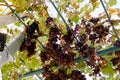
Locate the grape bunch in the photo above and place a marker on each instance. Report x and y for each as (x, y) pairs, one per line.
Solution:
(29, 42)
(2, 41)
(96, 33)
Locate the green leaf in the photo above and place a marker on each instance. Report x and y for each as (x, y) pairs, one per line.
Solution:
(75, 19)
(69, 71)
(112, 2)
(21, 2)
(54, 68)
(80, 65)
(22, 71)
(32, 63)
(110, 78)
(18, 62)
(108, 70)
(79, 1)
(109, 57)
(18, 24)
(20, 5)
(43, 39)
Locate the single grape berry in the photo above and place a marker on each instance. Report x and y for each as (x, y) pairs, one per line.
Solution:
(77, 75)
(49, 21)
(94, 20)
(117, 43)
(115, 61)
(117, 54)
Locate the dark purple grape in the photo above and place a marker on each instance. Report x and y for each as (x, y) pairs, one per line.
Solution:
(69, 37)
(2, 41)
(49, 21)
(54, 32)
(96, 70)
(31, 49)
(117, 43)
(77, 29)
(77, 75)
(115, 61)
(94, 20)
(117, 54)
(93, 37)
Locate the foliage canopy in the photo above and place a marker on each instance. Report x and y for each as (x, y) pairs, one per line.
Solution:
(83, 42)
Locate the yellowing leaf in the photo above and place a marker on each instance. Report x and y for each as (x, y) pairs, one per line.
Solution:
(118, 12)
(1, 0)
(95, 5)
(75, 5)
(1, 9)
(93, 1)
(79, 1)
(88, 16)
(112, 11)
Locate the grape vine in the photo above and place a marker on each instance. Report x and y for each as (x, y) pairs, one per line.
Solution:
(83, 40)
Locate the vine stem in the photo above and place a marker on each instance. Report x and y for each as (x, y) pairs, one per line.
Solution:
(110, 20)
(13, 11)
(67, 26)
(41, 44)
(100, 53)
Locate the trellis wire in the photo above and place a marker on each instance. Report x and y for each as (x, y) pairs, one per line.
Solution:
(41, 44)
(100, 53)
(30, 69)
(110, 20)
